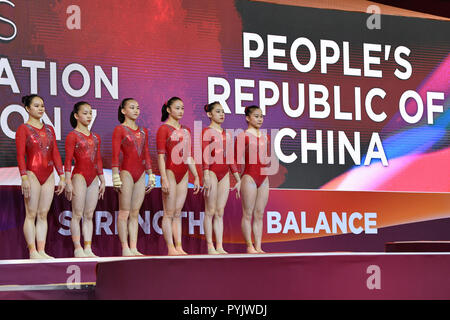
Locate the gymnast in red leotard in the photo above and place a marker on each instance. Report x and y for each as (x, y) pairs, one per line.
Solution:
(83, 187)
(255, 183)
(216, 186)
(168, 138)
(36, 142)
(253, 168)
(134, 146)
(173, 142)
(132, 141)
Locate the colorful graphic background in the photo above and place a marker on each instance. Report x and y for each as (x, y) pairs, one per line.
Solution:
(167, 48)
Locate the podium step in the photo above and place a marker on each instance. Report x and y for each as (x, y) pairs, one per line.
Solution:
(418, 246)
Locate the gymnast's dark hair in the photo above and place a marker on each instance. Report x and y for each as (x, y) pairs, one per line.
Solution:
(167, 104)
(76, 108)
(249, 110)
(26, 100)
(120, 115)
(210, 106)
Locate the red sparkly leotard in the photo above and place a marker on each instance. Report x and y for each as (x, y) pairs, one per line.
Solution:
(252, 151)
(39, 147)
(133, 144)
(86, 151)
(167, 138)
(215, 157)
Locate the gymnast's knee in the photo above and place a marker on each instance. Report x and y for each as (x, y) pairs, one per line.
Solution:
(210, 212)
(177, 214)
(77, 215)
(169, 214)
(247, 216)
(31, 214)
(123, 215)
(42, 214)
(258, 214)
(134, 214)
(219, 213)
(88, 215)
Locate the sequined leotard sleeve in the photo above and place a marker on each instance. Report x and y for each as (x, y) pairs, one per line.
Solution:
(21, 138)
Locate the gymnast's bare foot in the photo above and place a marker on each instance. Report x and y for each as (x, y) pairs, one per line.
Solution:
(172, 251)
(251, 249)
(79, 253)
(212, 250)
(135, 252)
(181, 251)
(88, 252)
(126, 252)
(35, 255)
(44, 255)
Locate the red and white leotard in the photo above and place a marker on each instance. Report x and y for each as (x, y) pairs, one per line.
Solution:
(169, 137)
(217, 151)
(133, 144)
(39, 147)
(252, 152)
(86, 151)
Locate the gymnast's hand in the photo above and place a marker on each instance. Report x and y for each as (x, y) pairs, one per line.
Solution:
(26, 187)
(206, 185)
(69, 190)
(61, 186)
(165, 185)
(237, 187)
(101, 189)
(196, 185)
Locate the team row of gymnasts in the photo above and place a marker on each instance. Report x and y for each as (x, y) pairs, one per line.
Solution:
(37, 154)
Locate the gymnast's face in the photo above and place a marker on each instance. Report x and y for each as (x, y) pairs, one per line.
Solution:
(255, 119)
(131, 110)
(176, 110)
(84, 115)
(217, 114)
(36, 108)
